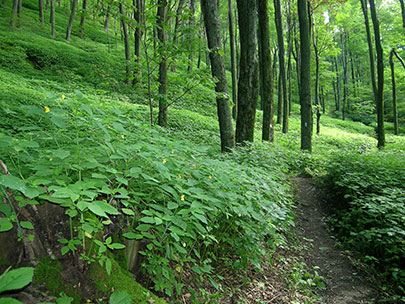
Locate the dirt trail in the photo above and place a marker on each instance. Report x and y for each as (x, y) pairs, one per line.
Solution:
(345, 284)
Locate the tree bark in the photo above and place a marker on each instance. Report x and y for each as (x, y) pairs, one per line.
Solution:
(233, 59)
(266, 77)
(14, 14)
(161, 33)
(379, 96)
(305, 70)
(338, 87)
(281, 62)
(394, 93)
(83, 18)
(71, 18)
(138, 12)
(316, 52)
(126, 44)
(190, 36)
(345, 103)
(41, 10)
(402, 12)
(248, 79)
(289, 52)
(52, 17)
(209, 9)
(279, 97)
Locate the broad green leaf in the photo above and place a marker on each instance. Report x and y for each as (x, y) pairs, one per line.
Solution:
(148, 220)
(200, 217)
(9, 301)
(16, 278)
(27, 225)
(59, 121)
(143, 227)
(172, 205)
(132, 235)
(117, 246)
(120, 297)
(5, 209)
(108, 266)
(12, 182)
(5, 224)
(62, 154)
(127, 211)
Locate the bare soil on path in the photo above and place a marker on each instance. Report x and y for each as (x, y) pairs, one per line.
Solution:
(344, 283)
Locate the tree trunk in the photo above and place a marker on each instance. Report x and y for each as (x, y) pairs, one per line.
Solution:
(248, 79)
(403, 12)
(266, 77)
(14, 14)
(370, 46)
(338, 84)
(379, 97)
(126, 44)
(209, 9)
(190, 36)
(138, 12)
(281, 62)
(176, 27)
(352, 74)
(19, 9)
(83, 18)
(53, 19)
(289, 52)
(305, 89)
(316, 52)
(107, 19)
(161, 33)
(345, 76)
(71, 18)
(233, 59)
(41, 10)
(279, 97)
(394, 93)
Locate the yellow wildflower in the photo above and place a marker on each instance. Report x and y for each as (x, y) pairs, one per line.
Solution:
(123, 136)
(172, 151)
(50, 159)
(47, 109)
(164, 160)
(63, 96)
(209, 176)
(179, 175)
(182, 197)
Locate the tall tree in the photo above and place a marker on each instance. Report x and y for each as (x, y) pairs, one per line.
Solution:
(402, 12)
(233, 57)
(394, 92)
(305, 76)
(209, 9)
(138, 13)
(83, 18)
(161, 33)
(281, 62)
(71, 18)
(248, 77)
(126, 43)
(41, 10)
(190, 36)
(379, 96)
(52, 17)
(266, 77)
(14, 13)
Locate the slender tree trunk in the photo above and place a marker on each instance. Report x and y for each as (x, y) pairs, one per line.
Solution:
(297, 56)
(190, 36)
(402, 12)
(210, 9)
(107, 19)
(233, 59)
(83, 18)
(41, 10)
(352, 74)
(305, 90)
(14, 14)
(370, 45)
(322, 101)
(289, 52)
(138, 13)
(316, 52)
(394, 93)
(266, 77)
(279, 97)
(161, 33)
(338, 84)
(126, 44)
(281, 61)
(46, 5)
(345, 77)
(379, 97)
(19, 9)
(176, 27)
(71, 18)
(52, 16)
(248, 79)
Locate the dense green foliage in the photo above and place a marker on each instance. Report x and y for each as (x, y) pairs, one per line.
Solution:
(369, 200)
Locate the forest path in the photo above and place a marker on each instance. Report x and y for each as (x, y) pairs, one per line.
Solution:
(344, 283)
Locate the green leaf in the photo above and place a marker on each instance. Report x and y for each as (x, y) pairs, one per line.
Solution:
(62, 154)
(117, 246)
(143, 227)
(172, 205)
(200, 217)
(59, 121)
(148, 220)
(132, 235)
(16, 279)
(120, 297)
(12, 182)
(108, 266)
(27, 225)
(9, 301)
(5, 224)
(127, 211)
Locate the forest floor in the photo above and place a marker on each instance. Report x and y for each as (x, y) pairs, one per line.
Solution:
(345, 283)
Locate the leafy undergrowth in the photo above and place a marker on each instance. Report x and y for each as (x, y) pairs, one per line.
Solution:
(368, 197)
